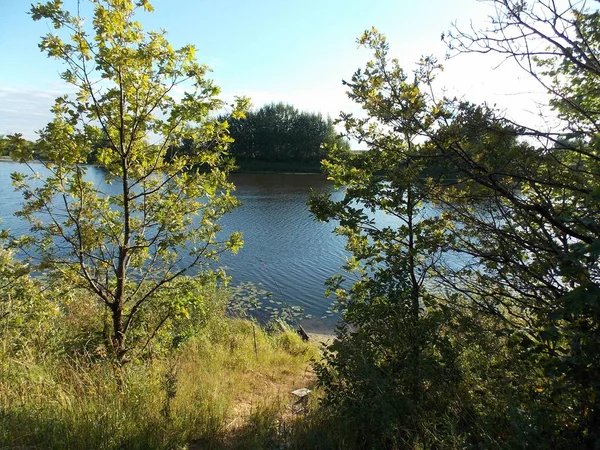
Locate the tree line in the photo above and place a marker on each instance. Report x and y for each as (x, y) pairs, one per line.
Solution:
(279, 132)
(275, 133)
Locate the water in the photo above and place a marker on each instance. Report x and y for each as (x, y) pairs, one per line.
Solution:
(286, 252)
(285, 249)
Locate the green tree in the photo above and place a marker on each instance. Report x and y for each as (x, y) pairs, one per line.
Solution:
(540, 250)
(391, 372)
(518, 212)
(128, 244)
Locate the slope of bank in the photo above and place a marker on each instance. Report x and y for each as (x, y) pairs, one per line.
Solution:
(228, 387)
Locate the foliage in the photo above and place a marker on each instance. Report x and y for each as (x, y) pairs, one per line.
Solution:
(279, 133)
(11, 143)
(192, 396)
(540, 255)
(251, 300)
(128, 240)
(392, 368)
(506, 231)
(25, 315)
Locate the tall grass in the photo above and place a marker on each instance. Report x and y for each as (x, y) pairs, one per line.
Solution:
(228, 387)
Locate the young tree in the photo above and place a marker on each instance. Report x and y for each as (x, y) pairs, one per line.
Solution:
(128, 244)
(391, 368)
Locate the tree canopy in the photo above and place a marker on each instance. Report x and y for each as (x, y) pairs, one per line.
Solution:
(471, 318)
(492, 270)
(280, 133)
(129, 241)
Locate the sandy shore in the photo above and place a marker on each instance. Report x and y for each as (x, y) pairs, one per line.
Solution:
(319, 338)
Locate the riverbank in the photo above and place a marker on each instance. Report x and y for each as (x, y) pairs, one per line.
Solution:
(321, 338)
(229, 387)
(251, 167)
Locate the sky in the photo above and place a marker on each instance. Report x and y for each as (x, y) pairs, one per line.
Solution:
(294, 51)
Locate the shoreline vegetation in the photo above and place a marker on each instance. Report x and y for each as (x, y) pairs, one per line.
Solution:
(242, 167)
(283, 167)
(276, 138)
(253, 167)
(227, 387)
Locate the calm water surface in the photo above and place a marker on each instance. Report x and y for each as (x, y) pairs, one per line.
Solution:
(285, 250)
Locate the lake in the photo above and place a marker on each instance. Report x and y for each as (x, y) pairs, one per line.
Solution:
(286, 252)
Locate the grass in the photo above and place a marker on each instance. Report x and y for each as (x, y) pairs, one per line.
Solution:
(226, 388)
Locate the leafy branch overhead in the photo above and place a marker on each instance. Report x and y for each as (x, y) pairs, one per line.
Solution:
(485, 269)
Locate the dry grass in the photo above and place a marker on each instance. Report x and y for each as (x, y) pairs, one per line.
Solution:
(227, 388)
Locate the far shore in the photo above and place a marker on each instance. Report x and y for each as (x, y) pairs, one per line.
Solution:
(261, 168)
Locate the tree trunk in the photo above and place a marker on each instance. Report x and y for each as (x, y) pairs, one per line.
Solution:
(414, 332)
(118, 338)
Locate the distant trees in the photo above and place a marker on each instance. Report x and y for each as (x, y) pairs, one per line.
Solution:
(280, 133)
(12, 143)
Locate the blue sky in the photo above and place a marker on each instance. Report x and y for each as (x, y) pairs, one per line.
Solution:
(296, 51)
